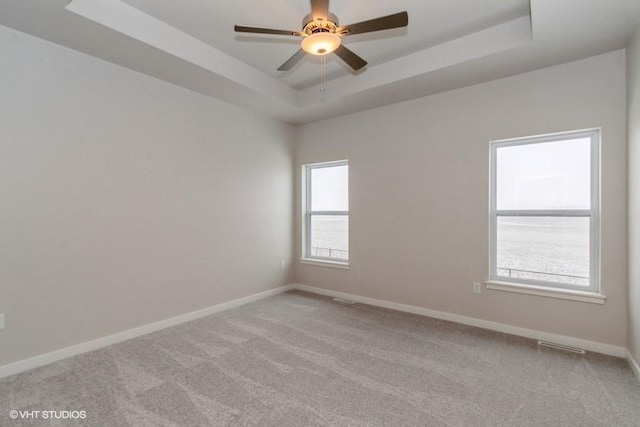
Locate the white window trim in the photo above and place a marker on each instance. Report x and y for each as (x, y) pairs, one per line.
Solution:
(307, 213)
(539, 287)
(324, 263)
(546, 291)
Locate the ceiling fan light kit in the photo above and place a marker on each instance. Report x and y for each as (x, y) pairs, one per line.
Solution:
(322, 35)
(320, 43)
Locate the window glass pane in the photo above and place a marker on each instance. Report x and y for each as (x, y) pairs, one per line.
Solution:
(550, 249)
(550, 175)
(330, 236)
(330, 188)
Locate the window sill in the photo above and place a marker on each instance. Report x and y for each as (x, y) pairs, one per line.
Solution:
(568, 294)
(325, 263)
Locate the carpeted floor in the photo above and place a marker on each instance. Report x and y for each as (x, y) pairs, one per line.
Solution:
(302, 360)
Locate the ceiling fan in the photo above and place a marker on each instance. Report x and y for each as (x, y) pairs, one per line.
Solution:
(321, 34)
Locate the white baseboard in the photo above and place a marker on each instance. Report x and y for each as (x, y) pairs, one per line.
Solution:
(593, 346)
(54, 356)
(634, 365)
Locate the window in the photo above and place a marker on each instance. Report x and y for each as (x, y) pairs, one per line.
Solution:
(544, 211)
(326, 212)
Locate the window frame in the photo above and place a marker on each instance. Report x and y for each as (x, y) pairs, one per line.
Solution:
(308, 215)
(593, 213)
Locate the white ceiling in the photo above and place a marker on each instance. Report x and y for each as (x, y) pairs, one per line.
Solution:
(432, 22)
(448, 44)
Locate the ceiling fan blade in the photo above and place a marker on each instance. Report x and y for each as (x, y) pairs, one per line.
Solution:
(292, 61)
(320, 9)
(353, 60)
(384, 23)
(241, 29)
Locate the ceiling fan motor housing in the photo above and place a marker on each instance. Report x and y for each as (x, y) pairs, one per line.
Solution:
(313, 26)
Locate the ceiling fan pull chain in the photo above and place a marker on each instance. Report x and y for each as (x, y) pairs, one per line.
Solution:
(323, 73)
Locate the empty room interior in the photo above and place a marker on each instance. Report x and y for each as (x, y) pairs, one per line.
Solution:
(319, 213)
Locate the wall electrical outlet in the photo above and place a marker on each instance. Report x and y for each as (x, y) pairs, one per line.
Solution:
(1, 321)
(283, 265)
(477, 287)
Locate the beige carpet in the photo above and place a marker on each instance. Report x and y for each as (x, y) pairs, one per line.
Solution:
(302, 360)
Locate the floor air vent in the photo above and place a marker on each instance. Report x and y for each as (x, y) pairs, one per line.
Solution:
(561, 347)
(344, 301)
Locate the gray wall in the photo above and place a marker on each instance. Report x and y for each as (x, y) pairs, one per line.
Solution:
(419, 179)
(125, 200)
(633, 100)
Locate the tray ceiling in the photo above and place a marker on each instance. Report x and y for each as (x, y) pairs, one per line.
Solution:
(448, 44)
